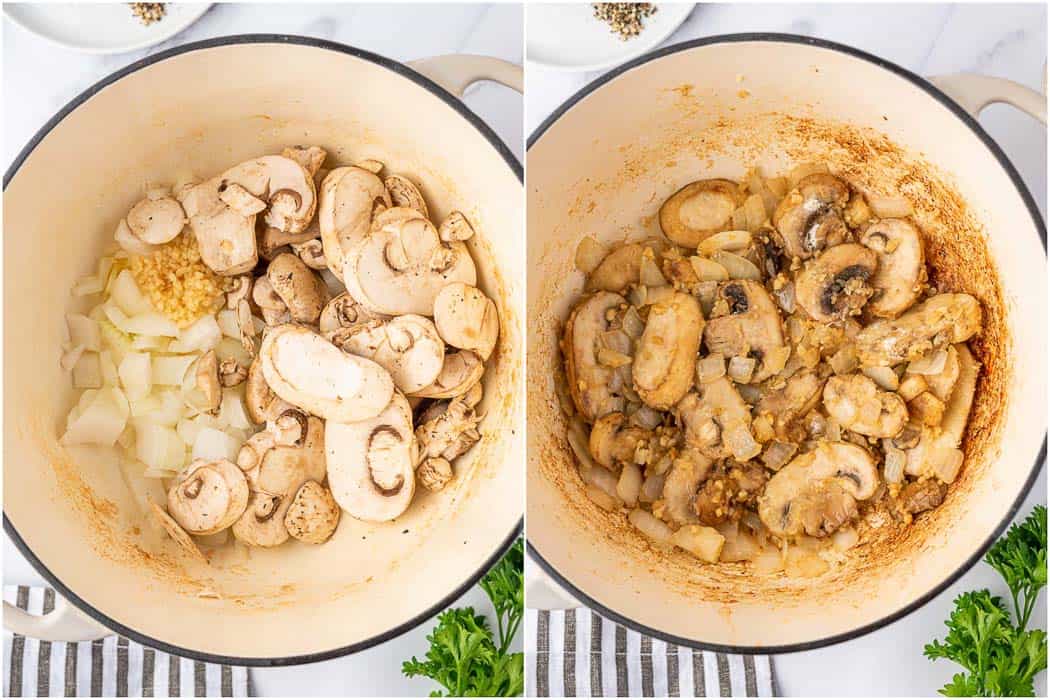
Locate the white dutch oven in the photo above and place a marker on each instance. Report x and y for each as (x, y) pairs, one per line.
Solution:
(603, 164)
(200, 108)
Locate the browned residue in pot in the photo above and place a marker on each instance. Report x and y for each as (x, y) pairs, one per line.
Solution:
(958, 258)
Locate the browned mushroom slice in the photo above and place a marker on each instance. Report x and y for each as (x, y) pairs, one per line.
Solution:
(809, 218)
(836, 285)
(919, 496)
(208, 496)
(688, 471)
(589, 381)
(788, 404)
(939, 321)
(618, 270)
(817, 491)
(698, 210)
(744, 322)
(718, 421)
(858, 404)
(613, 443)
(901, 270)
(313, 514)
(727, 492)
(370, 463)
(666, 354)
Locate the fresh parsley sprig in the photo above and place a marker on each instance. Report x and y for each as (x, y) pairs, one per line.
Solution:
(1001, 658)
(464, 657)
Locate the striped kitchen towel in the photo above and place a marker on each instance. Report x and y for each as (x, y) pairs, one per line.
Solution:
(108, 667)
(579, 653)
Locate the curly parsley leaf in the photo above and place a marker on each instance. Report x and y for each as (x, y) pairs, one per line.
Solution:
(1001, 658)
(464, 656)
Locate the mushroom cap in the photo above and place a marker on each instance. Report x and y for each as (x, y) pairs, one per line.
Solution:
(156, 221)
(404, 193)
(665, 359)
(612, 443)
(809, 218)
(310, 157)
(618, 270)
(858, 404)
(301, 289)
(786, 405)
(939, 321)
(455, 227)
(408, 347)
(587, 379)
(699, 210)
(459, 373)
(744, 323)
(466, 318)
(403, 266)
(208, 496)
(225, 237)
(836, 284)
(901, 265)
(285, 185)
(343, 311)
(809, 493)
(260, 401)
(349, 199)
(447, 429)
(309, 372)
(370, 462)
(313, 514)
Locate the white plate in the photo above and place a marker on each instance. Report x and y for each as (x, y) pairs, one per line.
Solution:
(103, 27)
(566, 36)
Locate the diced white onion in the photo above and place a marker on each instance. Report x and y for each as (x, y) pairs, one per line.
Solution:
(84, 331)
(189, 428)
(741, 443)
(649, 273)
(170, 370)
(633, 325)
(227, 320)
(650, 526)
(889, 207)
(741, 369)
(100, 422)
(70, 357)
(652, 488)
(202, 335)
(893, 469)
(136, 375)
(131, 243)
(726, 240)
(87, 285)
(629, 485)
(844, 539)
(710, 368)
(155, 343)
(708, 270)
(932, 363)
(151, 323)
(647, 417)
(215, 444)
(885, 377)
(778, 454)
(87, 372)
(108, 367)
(231, 410)
(946, 464)
(703, 542)
(601, 498)
(125, 294)
(738, 267)
(158, 446)
(786, 297)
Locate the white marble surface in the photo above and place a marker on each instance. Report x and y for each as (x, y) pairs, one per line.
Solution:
(39, 78)
(1000, 39)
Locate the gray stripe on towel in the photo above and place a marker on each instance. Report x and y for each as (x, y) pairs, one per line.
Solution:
(621, 662)
(543, 650)
(570, 653)
(647, 667)
(725, 684)
(43, 660)
(672, 670)
(18, 647)
(596, 655)
(699, 680)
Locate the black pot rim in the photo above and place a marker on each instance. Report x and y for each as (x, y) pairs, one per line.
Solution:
(1040, 227)
(511, 161)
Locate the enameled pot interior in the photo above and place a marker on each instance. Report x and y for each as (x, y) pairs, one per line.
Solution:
(713, 111)
(81, 516)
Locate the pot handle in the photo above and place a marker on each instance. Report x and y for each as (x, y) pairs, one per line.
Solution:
(456, 72)
(64, 624)
(975, 92)
(543, 593)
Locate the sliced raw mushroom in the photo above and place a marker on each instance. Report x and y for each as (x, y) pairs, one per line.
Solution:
(313, 514)
(941, 320)
(208, 380)
(246, 325)
(612, 442)
(371, 165)
(301, 289)
(271, 305)
(175, 531)
(466, 318)
(666, 356)
(434, 473)
(901, 270)
(231, 373)
(208, 496)
(311, 253)
(717, 421)
(259, 400)
(744, 322)
(920, 496)
(403, 266)
(589, 381)
(459, 372)
(787, 405)
(371, 462)
(858, 404)
(809, 218)
(343, 312)
(688, 471)
(349, 198)
(309, 372)
(699, 210)
(817, 492)
(837, 284)
(274, 481)
(310, 157)
(408, 347)
(448, 429)
(403, 193)
(155, 220)
(455, 227)
(618, 270)
(225, 234)
(273, 241)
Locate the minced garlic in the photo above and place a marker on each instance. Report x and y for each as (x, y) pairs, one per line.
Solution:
(177, 282)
